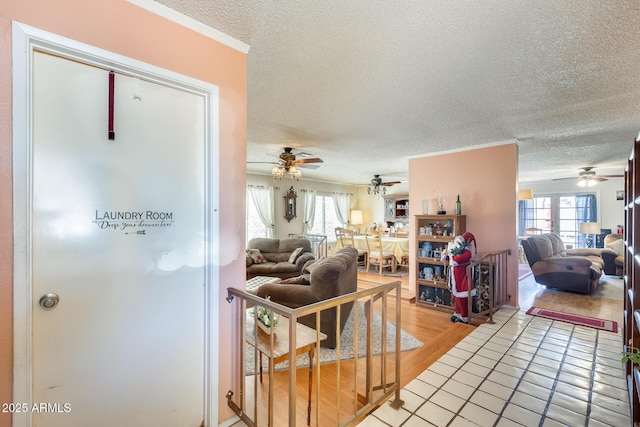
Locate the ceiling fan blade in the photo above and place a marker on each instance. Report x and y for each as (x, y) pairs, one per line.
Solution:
(307, 166)
(611, 176)
(573, 178)
(312, 160)
(390, 183)
(270, 163)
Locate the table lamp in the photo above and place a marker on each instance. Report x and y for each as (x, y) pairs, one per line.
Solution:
(356, 219)
(525, 195)
(589, 228)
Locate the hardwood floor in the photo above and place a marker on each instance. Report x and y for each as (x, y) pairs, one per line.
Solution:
(433, 328)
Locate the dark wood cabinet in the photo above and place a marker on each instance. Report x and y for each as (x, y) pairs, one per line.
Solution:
(632, 276)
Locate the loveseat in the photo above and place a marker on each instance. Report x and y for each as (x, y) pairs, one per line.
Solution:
(575, 270)
(272, 257)
(321, 280)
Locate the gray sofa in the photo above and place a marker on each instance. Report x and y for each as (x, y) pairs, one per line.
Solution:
(328, 278)
(276, 253)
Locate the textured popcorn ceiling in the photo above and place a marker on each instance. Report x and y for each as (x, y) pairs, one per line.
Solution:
(366, 84)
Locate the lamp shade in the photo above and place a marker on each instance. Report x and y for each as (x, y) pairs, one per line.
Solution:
(590, 228)
(356, 217)
(525, 195)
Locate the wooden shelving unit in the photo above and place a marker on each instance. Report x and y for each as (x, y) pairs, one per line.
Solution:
(432, 233)
(631, 327)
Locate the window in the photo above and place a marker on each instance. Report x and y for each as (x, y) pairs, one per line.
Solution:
(255, 227)
(559, 213)
(325, 219)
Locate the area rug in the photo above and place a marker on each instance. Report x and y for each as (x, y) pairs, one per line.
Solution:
(611, 287)
(590, 322)
(329, 355)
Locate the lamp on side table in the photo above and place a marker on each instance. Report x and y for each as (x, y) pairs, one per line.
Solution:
(589, 228)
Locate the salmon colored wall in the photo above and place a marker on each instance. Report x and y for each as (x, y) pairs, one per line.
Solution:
(486, 179)
(120, 27)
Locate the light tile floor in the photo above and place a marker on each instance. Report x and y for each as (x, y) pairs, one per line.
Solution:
(520, 371)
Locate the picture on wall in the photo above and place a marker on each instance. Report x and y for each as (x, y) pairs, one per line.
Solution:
(620, 195)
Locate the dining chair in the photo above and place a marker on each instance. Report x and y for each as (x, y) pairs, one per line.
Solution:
(347, 241)
(383, 230)
(376, 255)
(404, 261)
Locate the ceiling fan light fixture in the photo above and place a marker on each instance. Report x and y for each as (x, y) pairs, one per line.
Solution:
(280, 171)
(377, 187)
(586, 182)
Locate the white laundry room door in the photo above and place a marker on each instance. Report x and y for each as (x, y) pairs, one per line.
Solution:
(117, 249)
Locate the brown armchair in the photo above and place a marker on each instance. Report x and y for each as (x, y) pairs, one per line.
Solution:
(614, 261)
(575, 270)
(328, 278)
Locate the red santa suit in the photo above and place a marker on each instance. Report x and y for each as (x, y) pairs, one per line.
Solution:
(459, 254)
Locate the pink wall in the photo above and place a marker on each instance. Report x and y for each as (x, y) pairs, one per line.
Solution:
(120, 27)
(486, 179)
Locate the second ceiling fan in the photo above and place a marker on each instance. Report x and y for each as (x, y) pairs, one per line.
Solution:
(378, 187)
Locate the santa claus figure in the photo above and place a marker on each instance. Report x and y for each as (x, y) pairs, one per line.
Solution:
(459, 253)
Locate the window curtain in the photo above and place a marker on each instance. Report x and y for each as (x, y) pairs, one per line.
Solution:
(263, 200)
(309, 210)
(341, 203)
(586, 211)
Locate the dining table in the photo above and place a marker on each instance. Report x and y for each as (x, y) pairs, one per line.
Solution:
(398, 246)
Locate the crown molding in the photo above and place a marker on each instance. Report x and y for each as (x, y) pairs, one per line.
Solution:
(197, 26)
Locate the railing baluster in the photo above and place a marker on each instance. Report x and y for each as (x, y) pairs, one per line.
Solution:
(497, 276)
(376, 395)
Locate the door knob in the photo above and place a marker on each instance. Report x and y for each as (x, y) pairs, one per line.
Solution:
(48, 301)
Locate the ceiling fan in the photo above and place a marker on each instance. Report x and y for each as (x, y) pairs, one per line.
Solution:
(378, 187)
(588, 178)
(288, 164)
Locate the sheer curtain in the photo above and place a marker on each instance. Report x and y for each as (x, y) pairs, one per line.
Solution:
(309, 210)
(263, 200)
(341, 203)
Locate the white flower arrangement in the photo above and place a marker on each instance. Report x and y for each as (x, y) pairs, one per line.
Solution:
(264, 317)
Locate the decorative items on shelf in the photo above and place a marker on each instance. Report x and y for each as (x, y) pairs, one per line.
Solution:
(458, 206)
(441, 210)
(433, 233)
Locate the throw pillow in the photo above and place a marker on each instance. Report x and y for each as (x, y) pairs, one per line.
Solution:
(617, 245)
(295, 254)
(256, 256)
(305, 268)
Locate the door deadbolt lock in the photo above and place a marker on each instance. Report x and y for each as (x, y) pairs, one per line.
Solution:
(48, 301)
